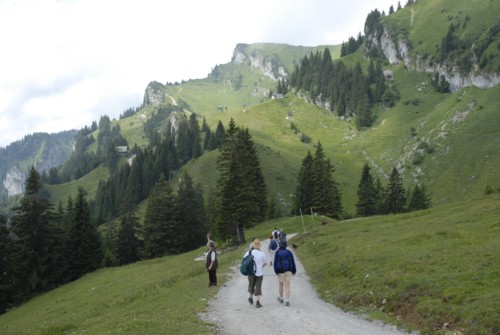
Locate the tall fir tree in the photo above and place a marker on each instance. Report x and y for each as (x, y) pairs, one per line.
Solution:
(161, 221)
(419, 199)
(366, 204)
(193, 225)
(30, 225)
(129, 244)
(379, 197)
(396, 194)
(304, 191)
(58, 256)
(134, 191)
(326, 195)
(7, 278)
(240, 195)
(84, 241)
(194, 135)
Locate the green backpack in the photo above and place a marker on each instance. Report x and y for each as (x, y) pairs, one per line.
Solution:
(247, 266)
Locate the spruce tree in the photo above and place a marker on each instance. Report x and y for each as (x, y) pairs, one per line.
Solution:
(240, 195)
(133, 192)
(129, 244)
(419, 199)
(194, 136)
(326, 195)
(57, 264)
(396, 195)
(7, 279)
(304, 191)
(161, 221)
(380, 194)
(366, 204)
(30, 226)
(193, 223)
(84, 241)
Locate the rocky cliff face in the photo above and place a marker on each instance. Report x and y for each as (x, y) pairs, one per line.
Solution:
(14, 181)
(154, 94)
(41, 150)
(399, 51)
(269, 66)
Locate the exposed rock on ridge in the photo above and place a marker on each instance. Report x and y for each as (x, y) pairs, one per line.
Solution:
(14, 181)
(154, 94)
(269, 66)
(399, 51)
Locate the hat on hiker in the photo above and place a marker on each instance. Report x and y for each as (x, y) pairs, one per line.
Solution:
(283, 244)
(256, 243)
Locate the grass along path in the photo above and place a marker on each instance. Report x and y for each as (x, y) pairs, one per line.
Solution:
(307, 313)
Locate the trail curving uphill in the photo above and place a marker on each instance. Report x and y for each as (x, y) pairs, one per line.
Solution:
(306, 315)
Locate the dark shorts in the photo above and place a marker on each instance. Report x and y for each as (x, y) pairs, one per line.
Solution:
(255, 285)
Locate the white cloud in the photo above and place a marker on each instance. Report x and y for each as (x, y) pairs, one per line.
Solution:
(65, 63)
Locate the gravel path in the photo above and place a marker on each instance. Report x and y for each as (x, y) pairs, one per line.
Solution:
(306, 315)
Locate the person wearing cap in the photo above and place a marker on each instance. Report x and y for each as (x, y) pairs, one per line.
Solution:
(211, 264)
(255, 280)
(284, 267)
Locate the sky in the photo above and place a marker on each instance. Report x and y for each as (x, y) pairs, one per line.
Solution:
(64, 64)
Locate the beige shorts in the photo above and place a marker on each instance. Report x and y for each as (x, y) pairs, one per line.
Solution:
(287, 276)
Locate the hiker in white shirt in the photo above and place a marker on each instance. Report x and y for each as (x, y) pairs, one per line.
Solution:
(255, 281)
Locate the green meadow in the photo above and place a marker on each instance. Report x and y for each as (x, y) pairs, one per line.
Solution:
(434, 271)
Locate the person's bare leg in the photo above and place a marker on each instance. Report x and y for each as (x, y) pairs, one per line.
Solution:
(281, 291)
(287, 290)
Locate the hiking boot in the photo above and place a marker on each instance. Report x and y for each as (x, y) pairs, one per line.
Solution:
(250, 300)
(287, 304)
(258, 305)
(280, 300)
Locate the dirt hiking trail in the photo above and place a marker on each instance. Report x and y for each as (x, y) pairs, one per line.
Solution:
(306, 315)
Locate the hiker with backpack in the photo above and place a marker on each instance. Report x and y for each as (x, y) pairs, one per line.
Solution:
(284, 267)
(211, 264)
(275, 233)
(255, 277)
(271, 248)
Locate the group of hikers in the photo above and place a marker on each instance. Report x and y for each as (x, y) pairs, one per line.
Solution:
(280, 258)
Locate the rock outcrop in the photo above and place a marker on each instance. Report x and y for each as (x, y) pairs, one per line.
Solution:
(14, 181)
(41, 150)
(154, 94)
(398, 50)
(269, 66)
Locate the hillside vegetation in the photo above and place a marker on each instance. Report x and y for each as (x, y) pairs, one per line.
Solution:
(436, 271)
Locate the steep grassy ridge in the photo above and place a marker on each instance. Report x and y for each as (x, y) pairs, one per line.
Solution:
(427, 22)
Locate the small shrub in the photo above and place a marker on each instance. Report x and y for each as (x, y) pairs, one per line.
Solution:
(423, 145)
(413, 132)
(305, 138)
(418, 159)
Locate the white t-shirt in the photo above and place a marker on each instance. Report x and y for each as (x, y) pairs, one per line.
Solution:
(260, 259)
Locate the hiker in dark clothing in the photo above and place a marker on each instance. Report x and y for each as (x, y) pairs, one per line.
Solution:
(284, 267)
(211, 264)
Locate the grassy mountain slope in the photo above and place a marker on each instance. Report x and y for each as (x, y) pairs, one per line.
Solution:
(421, 270)
(427, 22)
(449, 142)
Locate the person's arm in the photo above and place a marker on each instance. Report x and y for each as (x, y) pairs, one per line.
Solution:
(294, 269)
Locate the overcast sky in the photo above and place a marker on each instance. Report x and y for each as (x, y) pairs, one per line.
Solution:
(65, 63)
